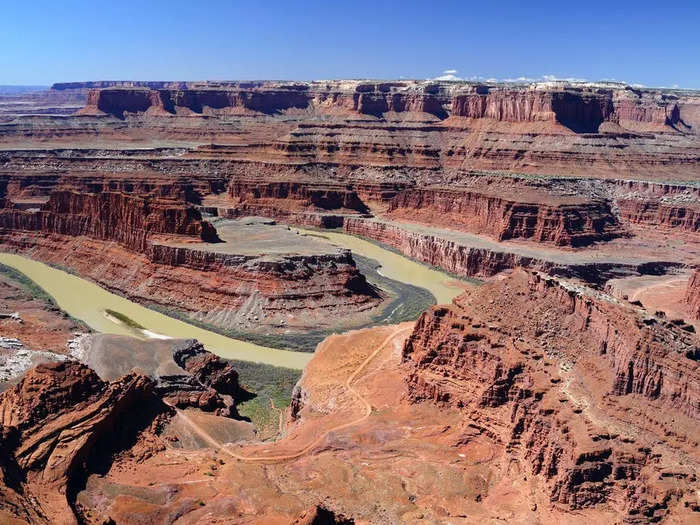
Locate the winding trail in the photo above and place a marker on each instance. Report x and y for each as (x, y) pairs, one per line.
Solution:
(285, 457)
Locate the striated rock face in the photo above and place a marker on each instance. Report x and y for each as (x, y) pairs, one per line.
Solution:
(677, 216)
(692, 296)
(592, 398)
(299, 195)
(557, 128)
(212, 286)
(119, 101)
(173, 270)
(64, 416)
(472, 258)
(581, 108)
(570, 222)
(126, 219)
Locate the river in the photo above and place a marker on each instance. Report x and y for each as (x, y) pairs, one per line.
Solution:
(89, 302)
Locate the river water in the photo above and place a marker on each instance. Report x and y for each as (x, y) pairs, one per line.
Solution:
(88, 302)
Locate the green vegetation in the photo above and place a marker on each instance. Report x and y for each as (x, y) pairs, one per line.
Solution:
(24, 283)
(272, 386)
(36, 292)
(128, 321)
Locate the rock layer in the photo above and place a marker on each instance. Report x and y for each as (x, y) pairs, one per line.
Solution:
(571, 222)
(564, 386)
(126, 219)
(581, 108)
(677, 216)
(63, 416)
(102, 235)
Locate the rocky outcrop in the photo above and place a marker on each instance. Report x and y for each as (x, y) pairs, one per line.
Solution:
(591, 396)
(561, 128)
(570, 222)
(209, 384)
(692, 295)
(64, 418)
(678, 216)
(120, 101)
(126, 219)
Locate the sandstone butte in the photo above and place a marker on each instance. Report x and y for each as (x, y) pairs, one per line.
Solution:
(563, 389)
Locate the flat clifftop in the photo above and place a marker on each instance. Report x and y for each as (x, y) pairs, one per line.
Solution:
(581, 107)
(364, 85)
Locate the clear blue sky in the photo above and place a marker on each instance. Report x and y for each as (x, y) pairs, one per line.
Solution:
(46, 41)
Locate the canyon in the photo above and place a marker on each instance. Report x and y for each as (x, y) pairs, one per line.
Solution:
(540, 365)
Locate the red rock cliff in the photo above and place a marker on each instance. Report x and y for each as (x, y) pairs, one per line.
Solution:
(582, 108)
(678, 216)
(571, 222)
(300, 195)
(574, 386)
(127, 219)
(63, 416)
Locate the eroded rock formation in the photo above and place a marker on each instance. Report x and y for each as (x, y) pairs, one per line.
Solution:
(59, 418)
(101, 235)
(677, 216)
(571, 222)
(209, 384)
(583, 109)
(567, 379)
(126, 219)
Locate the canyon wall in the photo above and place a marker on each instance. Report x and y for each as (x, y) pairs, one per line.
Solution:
(653, 213)
(558, 374)
(570, 222)
(220, 289)
(49, 446)
(126, 219)
(580, 108)
(475, 260)
(151, 250)
(299, 195)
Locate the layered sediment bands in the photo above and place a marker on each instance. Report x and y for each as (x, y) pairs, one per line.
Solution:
(581, 108)
(80, 230)
(591, 130)
(448, 255)
(63, 417)
(120, 101)
(571, 222)
(211, 286)
(692, 295)
(591, 397)
(477, 260)
(299, 195)
(127, 219)
(679, 216)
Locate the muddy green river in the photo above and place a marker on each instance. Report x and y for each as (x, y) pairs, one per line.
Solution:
(88, 302)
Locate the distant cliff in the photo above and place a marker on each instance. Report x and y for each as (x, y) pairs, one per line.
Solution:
(582, 108)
